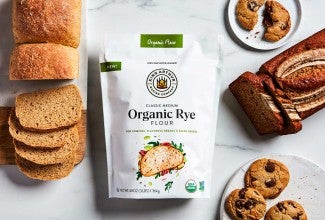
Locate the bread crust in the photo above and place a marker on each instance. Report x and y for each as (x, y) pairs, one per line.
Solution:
(315, 41)
(40, 21)
(43, 61)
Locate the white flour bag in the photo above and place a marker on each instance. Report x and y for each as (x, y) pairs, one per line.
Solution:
(160, 101)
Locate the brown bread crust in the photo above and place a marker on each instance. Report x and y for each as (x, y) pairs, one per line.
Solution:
(50, 21)
(43, 61)
(315, 41)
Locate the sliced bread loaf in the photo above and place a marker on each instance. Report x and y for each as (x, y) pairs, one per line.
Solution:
(45, 156)
(49, 109)
(51, 139)
(46, 172)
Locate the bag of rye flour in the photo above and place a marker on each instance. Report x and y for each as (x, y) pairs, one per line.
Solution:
(160, 101)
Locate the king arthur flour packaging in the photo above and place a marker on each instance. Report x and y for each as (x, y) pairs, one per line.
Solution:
(160, 106)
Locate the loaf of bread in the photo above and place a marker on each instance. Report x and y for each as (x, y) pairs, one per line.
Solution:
(43, 61)
(294, 80)
(45, 156)
(300, 72)
(49, 109)
(47, 21)
(46, 172)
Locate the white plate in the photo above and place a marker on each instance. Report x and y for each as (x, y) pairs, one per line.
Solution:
(306, 186)
(254, 38)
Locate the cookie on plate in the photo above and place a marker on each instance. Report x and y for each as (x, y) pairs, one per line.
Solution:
(287, 209)
(246, 12)
(276, 21)
(268, 176)
(245, 204)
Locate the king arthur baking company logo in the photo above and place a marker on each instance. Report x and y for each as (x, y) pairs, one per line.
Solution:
(162, 83)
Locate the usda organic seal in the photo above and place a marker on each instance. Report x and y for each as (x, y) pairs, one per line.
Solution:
(190, 186)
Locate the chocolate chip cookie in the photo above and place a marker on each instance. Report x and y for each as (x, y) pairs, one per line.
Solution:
(245, 204)
(268, 176)
(246, 12)
(286, 210)
(276, 21)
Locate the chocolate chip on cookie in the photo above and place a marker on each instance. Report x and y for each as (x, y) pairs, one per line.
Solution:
(276, 21)
(287, 209)
(245, 204)
(268, 176)
(246, 12)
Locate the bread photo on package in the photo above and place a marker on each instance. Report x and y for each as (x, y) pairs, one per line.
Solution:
(49, 109)
(47, 21)
(160, 159)
(43, 61)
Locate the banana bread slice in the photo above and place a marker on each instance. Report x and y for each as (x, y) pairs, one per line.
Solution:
(259, 106)
(291, 117)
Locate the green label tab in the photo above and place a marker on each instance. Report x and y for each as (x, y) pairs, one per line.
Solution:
(110, 66)
(161, 40)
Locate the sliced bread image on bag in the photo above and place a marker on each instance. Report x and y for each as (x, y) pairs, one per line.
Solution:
(160, 158)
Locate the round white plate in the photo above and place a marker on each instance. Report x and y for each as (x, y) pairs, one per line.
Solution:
(306, 186)
(254, 38)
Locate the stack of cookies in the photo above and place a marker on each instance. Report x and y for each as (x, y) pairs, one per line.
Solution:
(264, 179)
(45, 136)
(46, 33)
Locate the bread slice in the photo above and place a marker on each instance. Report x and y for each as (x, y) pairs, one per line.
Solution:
(46, 172)
(160, 158)
(44, 21)
(259, 106)
(43, 61)
(37, 139)
(292, 120)
(45, 156)
(49, 109)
